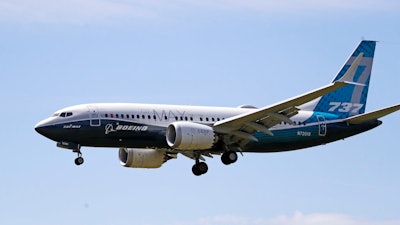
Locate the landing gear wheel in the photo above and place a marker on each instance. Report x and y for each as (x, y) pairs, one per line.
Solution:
(199, 168)
(79, 161)
(229, 157)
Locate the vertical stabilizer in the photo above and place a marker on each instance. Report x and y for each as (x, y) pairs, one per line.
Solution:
(351, 99)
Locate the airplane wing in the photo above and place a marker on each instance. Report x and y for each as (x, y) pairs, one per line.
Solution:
(362, 118)
(239, 129)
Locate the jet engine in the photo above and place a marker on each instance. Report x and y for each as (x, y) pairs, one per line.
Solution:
(184, 135)
(141, 158)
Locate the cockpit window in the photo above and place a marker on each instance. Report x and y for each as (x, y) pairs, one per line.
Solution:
(56, 114)
(64, 114)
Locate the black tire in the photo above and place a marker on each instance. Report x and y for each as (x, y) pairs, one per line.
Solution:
(202, 167)
(79, 161)
(232, 156)
(225, 160)
(229, 157)
(195, 170)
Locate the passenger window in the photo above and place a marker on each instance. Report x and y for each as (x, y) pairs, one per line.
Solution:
(106, 115)
(122, 115)
(117, 115)
(149, 117)
(165, 117)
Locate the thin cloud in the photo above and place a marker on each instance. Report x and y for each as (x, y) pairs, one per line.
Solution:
(304, 5)
(94, 11)
(73, 11)
(298, 218)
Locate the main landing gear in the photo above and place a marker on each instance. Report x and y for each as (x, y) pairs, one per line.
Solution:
(200, 168)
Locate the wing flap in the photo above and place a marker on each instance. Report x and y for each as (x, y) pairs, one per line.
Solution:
(362, 118)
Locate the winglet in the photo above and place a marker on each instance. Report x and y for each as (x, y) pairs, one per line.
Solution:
(348, 77)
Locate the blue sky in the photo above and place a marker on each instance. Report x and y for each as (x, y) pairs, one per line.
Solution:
(55, 54)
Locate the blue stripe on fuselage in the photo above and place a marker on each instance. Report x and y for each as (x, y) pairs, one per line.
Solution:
(307, 136)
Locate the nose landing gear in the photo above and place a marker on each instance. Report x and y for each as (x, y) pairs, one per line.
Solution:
(79, 160)
(75, 148)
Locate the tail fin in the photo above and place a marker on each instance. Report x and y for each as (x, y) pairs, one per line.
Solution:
(351, 99)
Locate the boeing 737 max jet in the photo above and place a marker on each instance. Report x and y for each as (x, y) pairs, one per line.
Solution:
(149, 135)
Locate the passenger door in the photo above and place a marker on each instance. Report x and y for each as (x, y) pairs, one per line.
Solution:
(94, 116)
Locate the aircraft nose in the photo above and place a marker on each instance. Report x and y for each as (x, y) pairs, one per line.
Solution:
(42, 128)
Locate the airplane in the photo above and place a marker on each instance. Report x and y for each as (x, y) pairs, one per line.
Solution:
(148, 135)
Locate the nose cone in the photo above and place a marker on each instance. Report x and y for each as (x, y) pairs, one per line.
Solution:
(43, 127)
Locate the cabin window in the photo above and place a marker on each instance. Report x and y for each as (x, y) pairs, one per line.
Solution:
(206, 118)
(212, 119)
(106, 115)
(143, 117)
(122, 115)
(165, 117)
(176, 118)
(191, 118)
(116, 115)
(149, 117)
(201, 118)
(154, 117)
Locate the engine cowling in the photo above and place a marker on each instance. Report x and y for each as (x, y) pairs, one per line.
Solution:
(141, 158)
(184, 135)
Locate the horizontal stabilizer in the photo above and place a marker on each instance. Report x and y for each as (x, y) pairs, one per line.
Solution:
(362, 118)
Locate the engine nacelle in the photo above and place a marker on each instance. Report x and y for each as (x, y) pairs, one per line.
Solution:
(184, 135)
(141, 158)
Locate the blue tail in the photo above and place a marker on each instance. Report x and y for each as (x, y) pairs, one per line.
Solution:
(351, 99)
